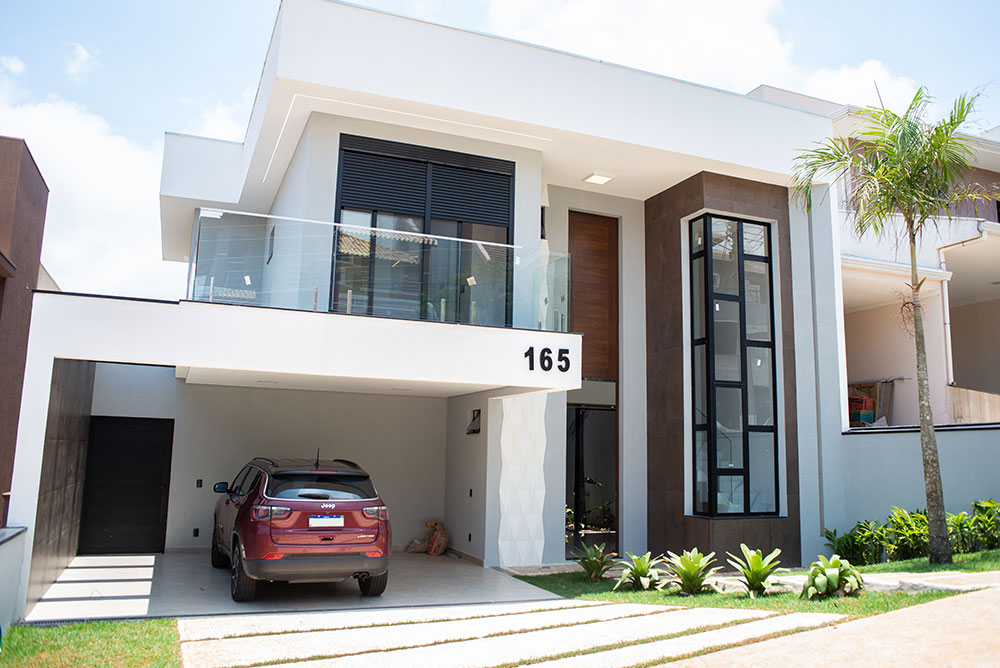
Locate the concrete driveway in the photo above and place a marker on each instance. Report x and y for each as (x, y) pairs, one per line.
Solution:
(178, 584)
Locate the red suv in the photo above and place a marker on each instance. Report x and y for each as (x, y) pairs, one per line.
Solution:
(295, 520)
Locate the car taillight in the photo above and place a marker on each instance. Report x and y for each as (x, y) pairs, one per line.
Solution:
(380, 513)
(373, 554)
(265, 513)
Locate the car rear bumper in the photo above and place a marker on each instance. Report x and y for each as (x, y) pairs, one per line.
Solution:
(316, 568)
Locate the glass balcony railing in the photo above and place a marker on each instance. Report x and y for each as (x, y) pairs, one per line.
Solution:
(388, 269)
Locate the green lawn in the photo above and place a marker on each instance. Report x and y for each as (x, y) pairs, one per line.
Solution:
(150, 642)
(573, 585)
(987, 560)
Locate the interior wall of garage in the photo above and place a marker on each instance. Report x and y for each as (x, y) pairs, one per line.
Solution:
(400, 441)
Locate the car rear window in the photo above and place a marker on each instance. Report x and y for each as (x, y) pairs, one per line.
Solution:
(340, 486)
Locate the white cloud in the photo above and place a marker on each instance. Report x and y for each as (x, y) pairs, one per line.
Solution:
(849, 84)
(102, 229)
(730, 44)
(80, 62)
(12, 65)
(223, 121)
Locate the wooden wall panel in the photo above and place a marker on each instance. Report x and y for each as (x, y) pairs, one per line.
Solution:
(593, 247)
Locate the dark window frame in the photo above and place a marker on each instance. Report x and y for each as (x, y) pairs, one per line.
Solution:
(710, 426)
(428, 157)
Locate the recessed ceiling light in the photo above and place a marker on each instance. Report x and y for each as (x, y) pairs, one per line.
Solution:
(598, 179)
(268, 382)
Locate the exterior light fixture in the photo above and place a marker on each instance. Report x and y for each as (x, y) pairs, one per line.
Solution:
(598, 179)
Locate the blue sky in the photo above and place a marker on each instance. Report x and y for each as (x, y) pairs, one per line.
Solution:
(93, 86)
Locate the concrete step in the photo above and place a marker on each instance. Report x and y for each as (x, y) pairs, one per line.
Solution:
(485, 652)
(222, 626)
(696, 642)
(354, 641)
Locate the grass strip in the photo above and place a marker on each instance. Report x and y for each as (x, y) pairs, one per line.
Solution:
(403, 623)
(498, 634)
(749, 641)
(120, 644)
(630, 643)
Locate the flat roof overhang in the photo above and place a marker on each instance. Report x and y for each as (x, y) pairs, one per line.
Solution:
(580, 114)
(217, 344)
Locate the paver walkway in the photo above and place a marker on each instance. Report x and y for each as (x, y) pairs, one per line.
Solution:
(478, 635)
(955, 631)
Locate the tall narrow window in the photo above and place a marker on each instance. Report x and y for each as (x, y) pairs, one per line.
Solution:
(734, 405)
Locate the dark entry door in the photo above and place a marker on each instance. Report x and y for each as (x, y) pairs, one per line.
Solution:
(591, 478)
(126, 485)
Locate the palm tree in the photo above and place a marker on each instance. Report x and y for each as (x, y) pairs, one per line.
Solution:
(903, 167)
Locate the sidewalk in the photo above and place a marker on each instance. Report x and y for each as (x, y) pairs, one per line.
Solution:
(955, 631)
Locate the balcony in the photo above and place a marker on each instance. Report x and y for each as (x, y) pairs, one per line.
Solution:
(389, 269)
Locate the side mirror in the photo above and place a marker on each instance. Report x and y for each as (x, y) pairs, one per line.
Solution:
(220, 487)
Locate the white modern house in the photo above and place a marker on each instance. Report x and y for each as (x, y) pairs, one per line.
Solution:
(546, 299)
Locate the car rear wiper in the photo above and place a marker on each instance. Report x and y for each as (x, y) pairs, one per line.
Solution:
(313, 495)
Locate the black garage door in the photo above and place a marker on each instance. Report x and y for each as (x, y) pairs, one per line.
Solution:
(126, 484)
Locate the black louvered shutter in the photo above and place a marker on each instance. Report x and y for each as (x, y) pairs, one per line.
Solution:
(383, 183)
(470, 195)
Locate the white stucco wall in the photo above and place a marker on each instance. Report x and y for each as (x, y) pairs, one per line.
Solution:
(631, 343)
(12, 554)
(400, 441)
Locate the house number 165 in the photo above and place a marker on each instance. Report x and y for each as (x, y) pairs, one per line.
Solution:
(545, 359)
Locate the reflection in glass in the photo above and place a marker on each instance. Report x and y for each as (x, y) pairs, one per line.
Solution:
(591, 478)
(698, 235)
(727, 340)
(698, 297)
(730, 494)
(442, 273)
(701, 472)
(725, 264)
(484, 275)
(758, 297)
(700, 385)
(397, 275)
(729, 427)
(760, 398)
(353, 261)
(762, 474)
(754, 239)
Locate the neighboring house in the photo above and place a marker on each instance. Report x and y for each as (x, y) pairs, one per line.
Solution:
(547, 299)
(23, 198)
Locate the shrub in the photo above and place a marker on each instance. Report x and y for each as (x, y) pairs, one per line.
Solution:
(755, 568)
(962, 533)
(986, 524)
(595, 561)
(691, 569)
(906, 535)
(833, 577)
(641, 572)
(863, 544)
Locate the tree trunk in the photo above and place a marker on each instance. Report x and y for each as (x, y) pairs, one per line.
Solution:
(940, 548)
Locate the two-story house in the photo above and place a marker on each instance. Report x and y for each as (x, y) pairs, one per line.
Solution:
(549, 300)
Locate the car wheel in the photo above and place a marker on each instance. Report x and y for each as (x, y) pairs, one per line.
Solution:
(242, 586)
(219, 559)
(373, 585)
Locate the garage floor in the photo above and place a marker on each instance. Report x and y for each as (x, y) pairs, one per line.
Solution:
(179, 584)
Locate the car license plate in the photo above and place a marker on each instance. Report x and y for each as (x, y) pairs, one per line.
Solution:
(318, 521)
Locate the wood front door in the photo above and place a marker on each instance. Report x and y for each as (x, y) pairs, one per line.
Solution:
(593, 247)
(126, 484)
